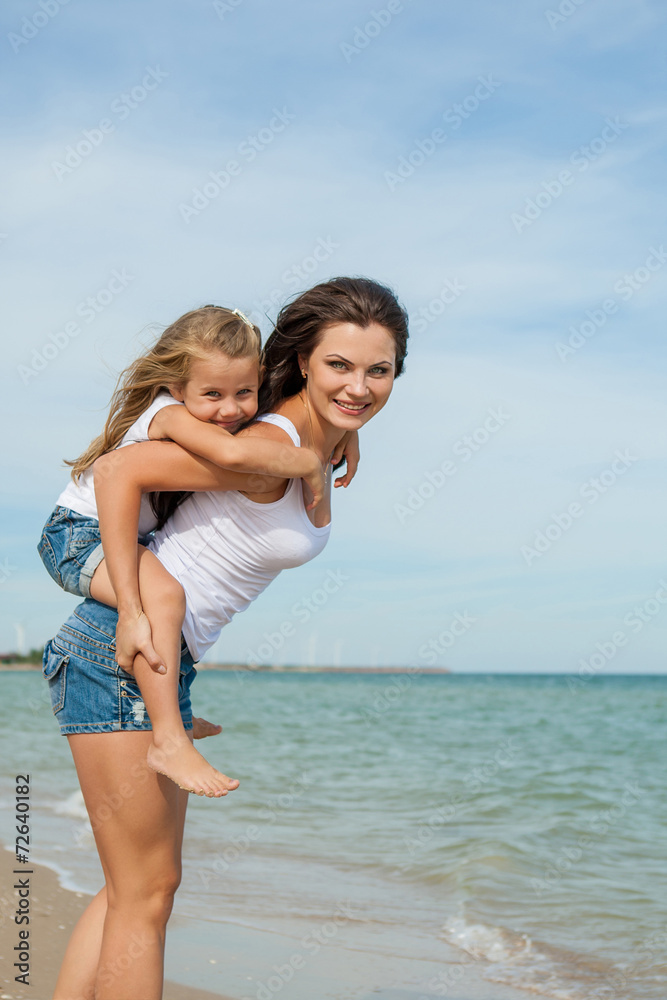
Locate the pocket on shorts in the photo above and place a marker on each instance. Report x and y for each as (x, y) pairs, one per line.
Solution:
(57, 515)
(48, 556)
(54, 668)
(83, 537)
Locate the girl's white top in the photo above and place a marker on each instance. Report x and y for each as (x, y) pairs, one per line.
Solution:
(80, 497)
(224, 549)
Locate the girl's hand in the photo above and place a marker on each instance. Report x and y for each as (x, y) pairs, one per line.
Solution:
(347, 448)
(316, 482)
(133, 635)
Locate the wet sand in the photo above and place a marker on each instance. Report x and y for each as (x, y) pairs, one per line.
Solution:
(53, 914)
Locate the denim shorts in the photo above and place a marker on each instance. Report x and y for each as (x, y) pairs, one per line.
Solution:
(71, 550)
(89, 692)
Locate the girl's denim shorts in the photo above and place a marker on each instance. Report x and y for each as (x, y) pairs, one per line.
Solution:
(71, 550)
(89, 692)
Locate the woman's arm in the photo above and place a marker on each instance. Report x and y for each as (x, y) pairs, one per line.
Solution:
(121, 477)
(240, 453)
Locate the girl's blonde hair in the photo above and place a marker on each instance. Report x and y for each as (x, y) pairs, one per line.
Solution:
(192, 337)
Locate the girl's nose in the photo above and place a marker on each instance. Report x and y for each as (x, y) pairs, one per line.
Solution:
(229, 408)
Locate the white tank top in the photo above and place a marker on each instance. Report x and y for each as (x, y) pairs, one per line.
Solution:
(225, 549)
(80, 496)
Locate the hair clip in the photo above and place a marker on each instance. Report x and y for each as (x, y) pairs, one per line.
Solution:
(237, 312)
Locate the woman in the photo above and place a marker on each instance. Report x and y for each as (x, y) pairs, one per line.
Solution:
(331, 363)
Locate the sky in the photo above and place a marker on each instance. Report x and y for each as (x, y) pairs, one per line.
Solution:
(501, 166)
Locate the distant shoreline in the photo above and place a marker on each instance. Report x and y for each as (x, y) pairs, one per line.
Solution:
(277, 669)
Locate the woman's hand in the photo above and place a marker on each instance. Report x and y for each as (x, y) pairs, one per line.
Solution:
(133, 635)
(347, 448)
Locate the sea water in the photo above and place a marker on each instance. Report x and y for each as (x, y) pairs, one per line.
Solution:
(498, 828)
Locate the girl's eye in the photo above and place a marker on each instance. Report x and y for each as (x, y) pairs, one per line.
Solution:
(244, 392)
(214, 393)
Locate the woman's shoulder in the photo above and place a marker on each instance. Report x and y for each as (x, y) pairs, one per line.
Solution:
(281, 422)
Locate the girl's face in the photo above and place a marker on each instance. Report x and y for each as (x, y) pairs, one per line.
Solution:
(350, 373)
(221, 390)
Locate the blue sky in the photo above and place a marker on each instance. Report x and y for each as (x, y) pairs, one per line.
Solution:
(500, 165)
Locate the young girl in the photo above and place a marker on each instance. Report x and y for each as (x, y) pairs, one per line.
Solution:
(197, 386)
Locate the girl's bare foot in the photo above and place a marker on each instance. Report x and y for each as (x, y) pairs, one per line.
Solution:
(202, 728)
(178, 760)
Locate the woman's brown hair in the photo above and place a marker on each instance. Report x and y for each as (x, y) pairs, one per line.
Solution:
(300, 325)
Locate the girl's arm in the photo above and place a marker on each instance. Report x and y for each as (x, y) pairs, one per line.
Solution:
(239, 453)
(121, 477)
(348, 449)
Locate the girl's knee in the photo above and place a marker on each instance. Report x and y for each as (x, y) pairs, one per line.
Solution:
(170, 595)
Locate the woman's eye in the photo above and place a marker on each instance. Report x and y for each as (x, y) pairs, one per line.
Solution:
(335, 364)
(379, 371)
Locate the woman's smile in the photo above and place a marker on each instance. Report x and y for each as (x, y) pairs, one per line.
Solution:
(354, 409)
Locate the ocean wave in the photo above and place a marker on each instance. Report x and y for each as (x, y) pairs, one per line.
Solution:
(73, 806)
(519, 961)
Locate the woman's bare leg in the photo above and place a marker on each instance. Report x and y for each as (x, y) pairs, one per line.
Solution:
(170, 751)
(137, 817)
(78, 971)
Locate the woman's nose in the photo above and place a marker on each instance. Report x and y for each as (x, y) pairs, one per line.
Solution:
(356, 385)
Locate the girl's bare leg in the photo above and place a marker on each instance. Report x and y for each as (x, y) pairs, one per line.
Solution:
(170, 751)
(137, 818)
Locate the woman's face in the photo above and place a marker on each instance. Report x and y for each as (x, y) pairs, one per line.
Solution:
(350, 373)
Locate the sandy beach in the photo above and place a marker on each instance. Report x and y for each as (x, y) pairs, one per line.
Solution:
(54, 912)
